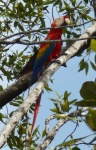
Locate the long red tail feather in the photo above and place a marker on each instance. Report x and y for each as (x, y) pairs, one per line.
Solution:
(37, 105)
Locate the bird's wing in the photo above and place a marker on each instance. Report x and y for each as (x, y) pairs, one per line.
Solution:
(43, 54)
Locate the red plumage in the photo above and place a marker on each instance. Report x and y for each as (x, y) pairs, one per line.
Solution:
(46, 53)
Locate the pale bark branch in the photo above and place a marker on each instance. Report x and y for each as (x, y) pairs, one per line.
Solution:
(18, 87)
(22, 83)
(51, 134)
(41, 83)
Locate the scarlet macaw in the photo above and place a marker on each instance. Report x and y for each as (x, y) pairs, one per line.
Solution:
(46, 53)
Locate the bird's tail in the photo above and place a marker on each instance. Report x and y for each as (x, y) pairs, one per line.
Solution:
(37, 105)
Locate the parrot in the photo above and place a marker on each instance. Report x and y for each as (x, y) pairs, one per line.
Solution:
(45, 54)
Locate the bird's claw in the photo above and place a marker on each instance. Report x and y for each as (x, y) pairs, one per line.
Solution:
(64, 65)
(56, 61)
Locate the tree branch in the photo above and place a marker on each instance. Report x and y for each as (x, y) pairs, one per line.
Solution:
(94, 7)
(18, 41)
(48, 28)
(51, 134)
(33, 95)
(22, 84)
(15, 89)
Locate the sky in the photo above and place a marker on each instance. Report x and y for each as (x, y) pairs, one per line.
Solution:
(71, 80)
(66, 78)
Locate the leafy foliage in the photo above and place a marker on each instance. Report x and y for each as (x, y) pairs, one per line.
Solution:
(88, 93)
(19, 18)
(93, 45)
(62, 104)
(91, 119)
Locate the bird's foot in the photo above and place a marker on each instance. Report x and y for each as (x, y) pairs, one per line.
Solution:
(56, 61)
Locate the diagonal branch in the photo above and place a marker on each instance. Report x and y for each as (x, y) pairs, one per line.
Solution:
(41, 83)
(22, 84)
(15, 89)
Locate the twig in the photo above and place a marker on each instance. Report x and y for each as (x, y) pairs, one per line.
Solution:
(52, 133)
(47, 122)
(94, 7)
(38, 30)
(17, 41)
(74, 8)
(71, 132)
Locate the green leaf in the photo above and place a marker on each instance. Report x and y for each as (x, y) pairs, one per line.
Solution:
(73, 2)
(52, 99)
(65, 106)
(93, 45)
(12, 59)
(43, 133)
(57, 94)
(15, 24)
(86, 68)
(78, 29)
(47, 88)
(86, 1)
(66, 95)
(91, 119)
(9, 142)
(65, 103)
(1, 88)
(11, 1)
(55, 110)
(66, 4)
(20, 27)
(93, 65)
(35, 131)
(71, 142)
(14, 104)
(95, 59)
(88, 90)
(1, 117)
(62, 116)
(56, 3)
(82, 65)
(20, 54)
(72, 101)
(86, 103)
(89, 17)
(42, 22)
(21, 130)
(75, 148)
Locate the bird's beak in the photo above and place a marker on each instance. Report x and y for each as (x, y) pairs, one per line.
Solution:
(66, 22)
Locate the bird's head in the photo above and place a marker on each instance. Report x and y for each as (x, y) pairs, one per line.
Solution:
(62, 21)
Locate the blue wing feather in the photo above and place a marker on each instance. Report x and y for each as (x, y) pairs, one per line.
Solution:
(39, 62)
